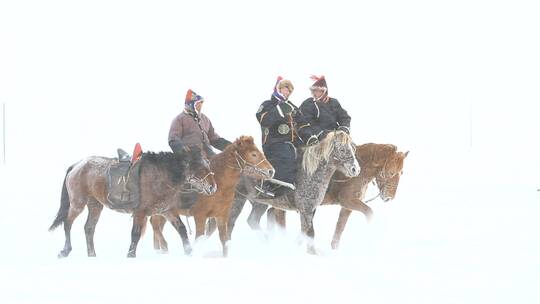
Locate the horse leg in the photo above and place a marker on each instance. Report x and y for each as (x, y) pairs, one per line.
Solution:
(74, 211)
(177, 223)
(357, 205)
(139, 221)
(237, 206)
(306, 221)
(270, 219)
(200, 225)
(280, 218)
(275, 218)
(158, 222)
(94, 211)
(211, 226)
(254, 218)
(223, 234)
(340, 226)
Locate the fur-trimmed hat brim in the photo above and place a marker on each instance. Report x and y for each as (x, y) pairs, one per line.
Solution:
(286, 84)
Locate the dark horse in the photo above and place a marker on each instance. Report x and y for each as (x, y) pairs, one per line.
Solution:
(239, 158)
(319, 162)
(162, 180)
(381, 163)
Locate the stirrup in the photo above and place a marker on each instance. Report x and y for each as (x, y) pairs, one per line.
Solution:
(264, 192)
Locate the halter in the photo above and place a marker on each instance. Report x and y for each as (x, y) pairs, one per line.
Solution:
(247, 166)
(195, 180)
(348, 158)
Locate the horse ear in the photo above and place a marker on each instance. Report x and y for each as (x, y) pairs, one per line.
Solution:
(405, 154)
(246, 140)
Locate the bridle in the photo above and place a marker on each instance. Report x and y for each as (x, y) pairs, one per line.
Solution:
(346, 159)
(192, 179)
(244, 165)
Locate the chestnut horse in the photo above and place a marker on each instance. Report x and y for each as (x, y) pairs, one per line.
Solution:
(239, 158)
(379, 162)
(319, 162)
(162, 178)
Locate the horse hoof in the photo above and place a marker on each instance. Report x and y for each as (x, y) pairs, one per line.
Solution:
(63, 254)
(188, 250)
(312, 251)
(131, 255)
(335, 245)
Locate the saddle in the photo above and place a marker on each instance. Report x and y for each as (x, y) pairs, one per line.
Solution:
(123, 178)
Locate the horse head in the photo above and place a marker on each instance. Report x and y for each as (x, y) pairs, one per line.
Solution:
(337, 149)
(250, 160)
(388, 167)
(199, 176)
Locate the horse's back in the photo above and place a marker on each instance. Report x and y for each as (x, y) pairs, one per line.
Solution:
(88, 178)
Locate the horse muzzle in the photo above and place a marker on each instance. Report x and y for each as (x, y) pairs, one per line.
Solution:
(353, 170)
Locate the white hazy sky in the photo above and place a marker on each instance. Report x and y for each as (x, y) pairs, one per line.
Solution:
(90, 76)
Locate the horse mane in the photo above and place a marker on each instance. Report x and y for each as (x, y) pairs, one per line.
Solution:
(374, 155)
(173, 163)
(313, 155)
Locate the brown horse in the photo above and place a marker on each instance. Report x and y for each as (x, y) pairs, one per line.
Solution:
(241, 157)
(379, 162)
(162, 179)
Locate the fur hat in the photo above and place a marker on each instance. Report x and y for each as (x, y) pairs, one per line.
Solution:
(282, 83)
(285, 83)
(192, 98)
(320, 84)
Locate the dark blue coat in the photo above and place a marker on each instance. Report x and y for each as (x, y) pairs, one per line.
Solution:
(279, 127)
(325, 116)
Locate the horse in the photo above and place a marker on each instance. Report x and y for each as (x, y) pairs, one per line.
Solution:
(239, 158)
(317, 166)
(162, 179)
(379, 162)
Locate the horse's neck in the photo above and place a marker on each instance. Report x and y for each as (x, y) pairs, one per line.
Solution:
(318, 182)
(365, 179)
(226, 173)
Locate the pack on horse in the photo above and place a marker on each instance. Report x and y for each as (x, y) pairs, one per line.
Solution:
(161, 179)
(239, 158)
(381, 163)
(319, 162)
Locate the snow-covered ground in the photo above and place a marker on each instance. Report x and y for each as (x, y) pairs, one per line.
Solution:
(454, 82)
(445, 239)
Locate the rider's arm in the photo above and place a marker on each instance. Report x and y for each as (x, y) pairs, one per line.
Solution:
(343, 118)
(175, 135)
(269, 115)
(310, 113)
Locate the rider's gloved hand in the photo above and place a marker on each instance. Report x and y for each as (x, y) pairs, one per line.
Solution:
(312, 140)
(344, 129)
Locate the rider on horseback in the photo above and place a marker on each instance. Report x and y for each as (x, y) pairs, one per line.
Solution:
(283, 127)
(191, 128)
(324, 113)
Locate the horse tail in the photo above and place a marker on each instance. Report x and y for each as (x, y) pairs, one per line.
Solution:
(62, 214)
